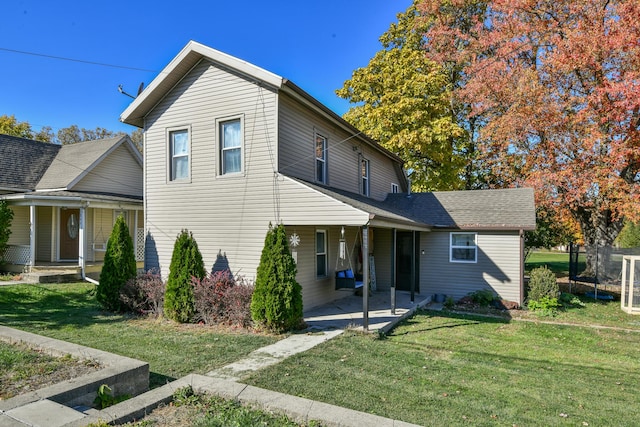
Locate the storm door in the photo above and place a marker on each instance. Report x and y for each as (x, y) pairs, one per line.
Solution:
(69, 231)
(406, 250)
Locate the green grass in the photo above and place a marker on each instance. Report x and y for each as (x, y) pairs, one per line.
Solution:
(558, 262)
(440, 369)
(70, 312)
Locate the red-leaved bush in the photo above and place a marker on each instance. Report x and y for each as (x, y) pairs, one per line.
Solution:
(222, 299)
(143, 294)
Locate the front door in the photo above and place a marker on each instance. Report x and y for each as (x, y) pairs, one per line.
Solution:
(405, 259)
(69, 230)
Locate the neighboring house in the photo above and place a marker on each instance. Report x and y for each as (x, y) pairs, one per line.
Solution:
(230, 147)
(65, 199)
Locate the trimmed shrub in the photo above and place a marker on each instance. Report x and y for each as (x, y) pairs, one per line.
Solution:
(6, 216)
(482, 297)
(119, 266)
(277, 297)
(143, 294)
(542, 283)
(222, 299)
(186, 263)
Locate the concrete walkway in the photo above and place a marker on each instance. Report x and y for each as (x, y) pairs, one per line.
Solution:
(324, 323)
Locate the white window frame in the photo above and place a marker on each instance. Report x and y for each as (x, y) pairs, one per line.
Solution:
(322, 253)
(365, 175)
(170, 164)
(395, 188)
(220, 141)
(474, 247)
(320, 162)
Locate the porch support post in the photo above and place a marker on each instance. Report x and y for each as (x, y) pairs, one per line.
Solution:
(32, 236)
(365, 278)
(393, 271)
(413, 266)
(82, 236)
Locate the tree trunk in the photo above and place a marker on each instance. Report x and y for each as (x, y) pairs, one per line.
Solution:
(599, 231)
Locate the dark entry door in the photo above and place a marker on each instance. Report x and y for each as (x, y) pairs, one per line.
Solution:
(69, 230)
(405, 259)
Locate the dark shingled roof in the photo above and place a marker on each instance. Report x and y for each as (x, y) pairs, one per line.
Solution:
(507, 209)
(24, 161)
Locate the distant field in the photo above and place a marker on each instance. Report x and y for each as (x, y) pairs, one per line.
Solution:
(558, 262)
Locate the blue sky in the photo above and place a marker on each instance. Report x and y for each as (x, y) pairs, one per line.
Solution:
(315, 43)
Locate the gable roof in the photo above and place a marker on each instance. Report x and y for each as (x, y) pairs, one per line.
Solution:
(502, 209)
(73, 162)
(23, 162)
(194, 52)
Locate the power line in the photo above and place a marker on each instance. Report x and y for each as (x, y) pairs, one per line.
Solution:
(82, 61)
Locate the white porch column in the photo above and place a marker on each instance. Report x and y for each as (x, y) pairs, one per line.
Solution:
(82, 244)
(32, 236)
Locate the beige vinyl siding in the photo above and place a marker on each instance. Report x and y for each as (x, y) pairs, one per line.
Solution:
(228, 215)
(44, 233)
(297, 156)
(118, 173)
(497, 269)
(19, 226)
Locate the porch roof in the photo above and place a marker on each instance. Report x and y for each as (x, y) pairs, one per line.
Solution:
(76, 199)
(380, 213)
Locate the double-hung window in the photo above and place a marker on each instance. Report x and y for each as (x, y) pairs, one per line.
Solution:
(230, 146)
(321, 253)
(179, 154)
(321, 159)
(463, 247)
(394, 188)
(364, 177)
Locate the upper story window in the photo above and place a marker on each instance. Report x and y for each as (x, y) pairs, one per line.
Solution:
(364, 177)
(321, 159)
(179, 154)
(230, 132)
(395, 188)
(463, 247)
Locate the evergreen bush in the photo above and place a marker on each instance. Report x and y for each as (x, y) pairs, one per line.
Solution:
(186, 264)
(119, 266)
(277, 297)
(542, 283)
(6, 216)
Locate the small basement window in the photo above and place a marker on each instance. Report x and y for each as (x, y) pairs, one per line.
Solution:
(463, 247)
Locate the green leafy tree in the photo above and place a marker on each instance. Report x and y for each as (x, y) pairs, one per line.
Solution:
(9, 125)
(119, 266)
(277, 297)
(186, 264)
(6, 216)
(629, 237)
(404, 100)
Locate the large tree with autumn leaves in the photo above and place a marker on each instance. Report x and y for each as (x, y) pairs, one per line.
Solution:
(556, 84)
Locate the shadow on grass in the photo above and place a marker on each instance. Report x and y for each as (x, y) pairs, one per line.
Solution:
(158, 380)
(457, 320)
(51, 308)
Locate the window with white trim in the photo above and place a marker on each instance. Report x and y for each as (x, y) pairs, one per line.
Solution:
(230, 135)
(364, 176)
(179, 154)
(394, 188)
(321, 253)
(321, 158)
(463, 247)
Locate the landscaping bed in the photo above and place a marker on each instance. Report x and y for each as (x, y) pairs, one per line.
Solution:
(23, 369)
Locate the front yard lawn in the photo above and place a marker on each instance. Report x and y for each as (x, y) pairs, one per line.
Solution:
(70, 312)
(440, 369)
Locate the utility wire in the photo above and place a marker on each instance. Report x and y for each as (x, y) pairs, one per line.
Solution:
(82, 61)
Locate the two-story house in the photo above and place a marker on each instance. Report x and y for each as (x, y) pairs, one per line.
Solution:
(230, 147)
